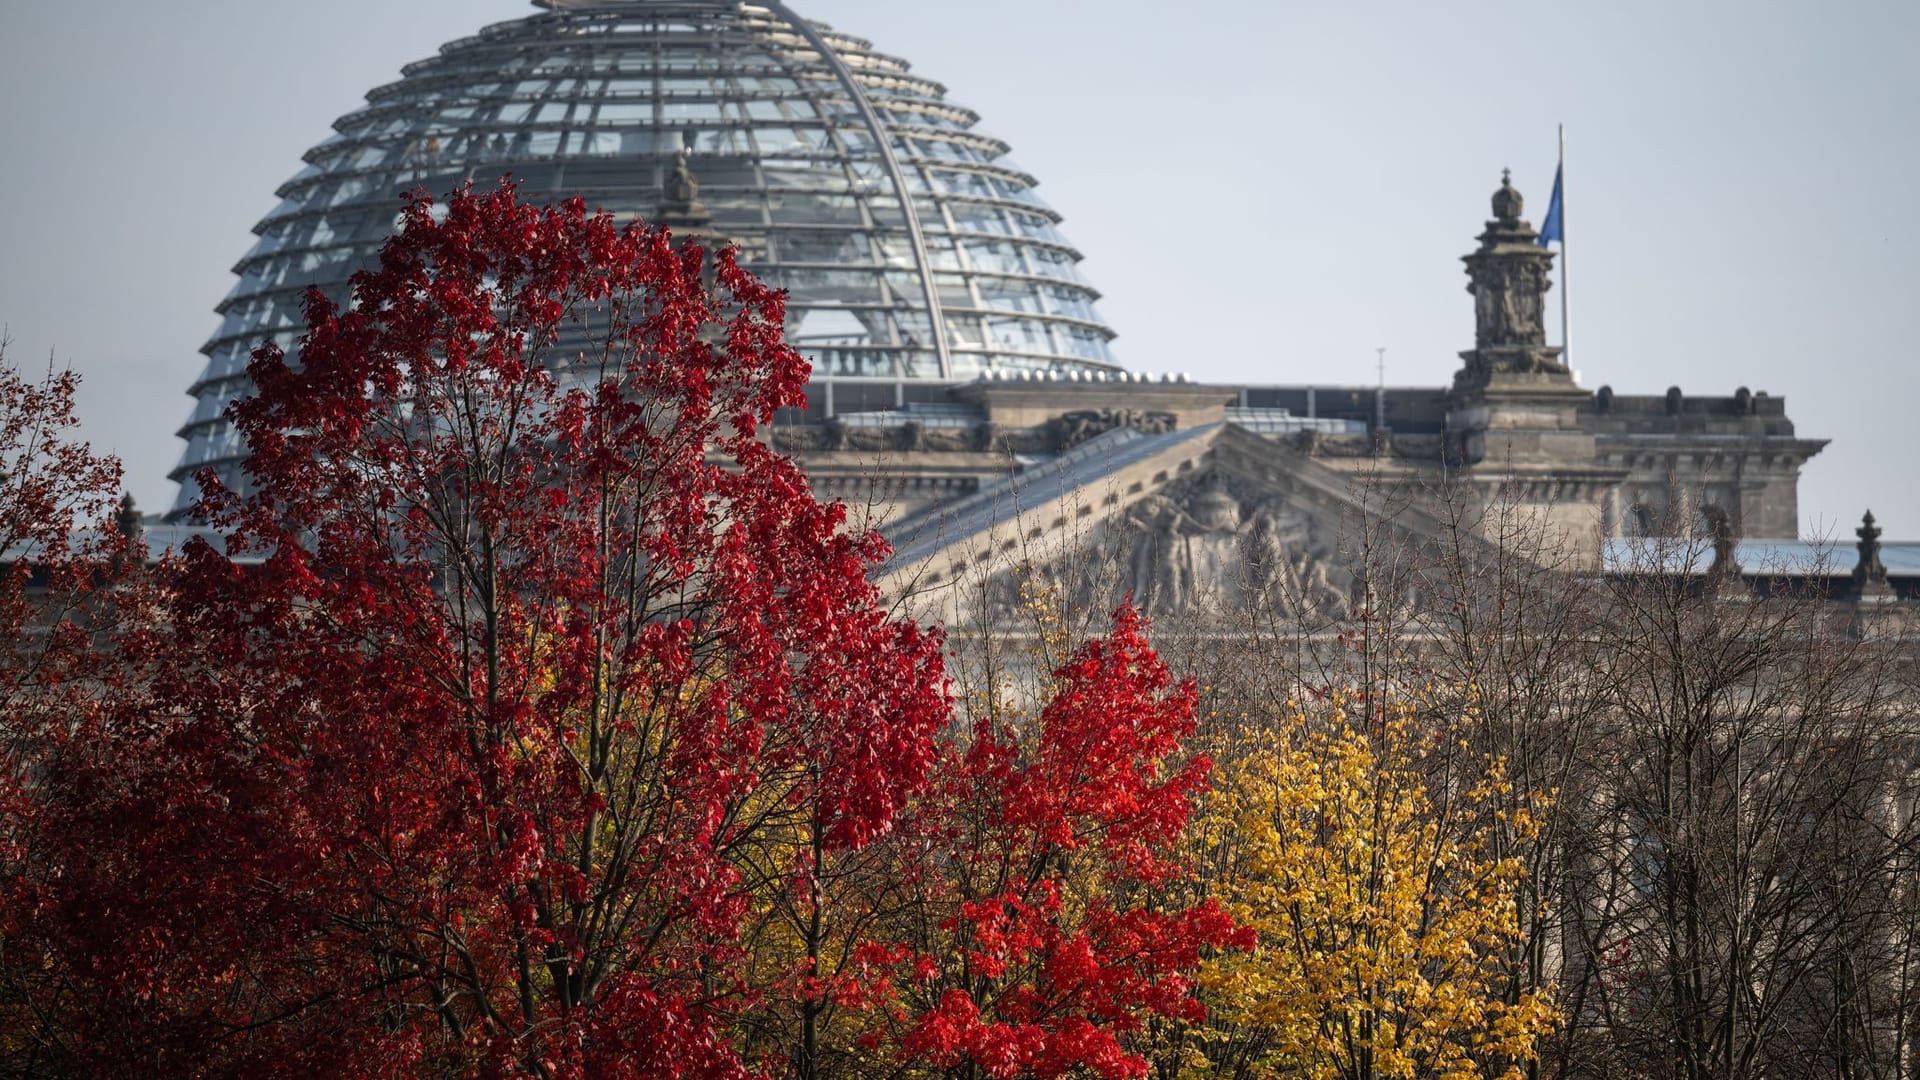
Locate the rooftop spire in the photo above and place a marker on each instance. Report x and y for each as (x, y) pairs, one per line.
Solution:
(127, 519)
(1869, 574)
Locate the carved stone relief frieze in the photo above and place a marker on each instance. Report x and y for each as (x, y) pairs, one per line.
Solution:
(1074, 428)
(1194, 548)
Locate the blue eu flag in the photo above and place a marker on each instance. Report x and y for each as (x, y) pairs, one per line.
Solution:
(1554, 226)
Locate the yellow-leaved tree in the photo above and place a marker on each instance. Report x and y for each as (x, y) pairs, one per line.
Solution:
(1360, 850)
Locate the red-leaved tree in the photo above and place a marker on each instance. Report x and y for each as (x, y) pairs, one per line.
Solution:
(61, 555)
(522, 639)
(1047, 935)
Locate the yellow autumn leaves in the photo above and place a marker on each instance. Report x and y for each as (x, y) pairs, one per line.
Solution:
(1377, 852)
(1360, 848)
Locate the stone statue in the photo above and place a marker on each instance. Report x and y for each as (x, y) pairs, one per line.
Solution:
(1072, 429)
(681, 186)
(1156, 572)
(1212, 507)
(680, 205)
(796, 438)
(1720, 527)
(1284, 571)
(1197, 546)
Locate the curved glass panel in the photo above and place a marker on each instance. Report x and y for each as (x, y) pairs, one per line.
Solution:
(597, 97)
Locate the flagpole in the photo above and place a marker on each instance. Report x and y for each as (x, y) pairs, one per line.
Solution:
(1566, 323)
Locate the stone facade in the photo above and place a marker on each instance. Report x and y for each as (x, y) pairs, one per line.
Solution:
(1180, 490)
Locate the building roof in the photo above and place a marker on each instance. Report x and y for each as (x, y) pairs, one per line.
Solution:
(1781, 558)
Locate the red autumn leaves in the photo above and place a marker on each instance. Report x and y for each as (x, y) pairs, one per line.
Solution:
(1052, 959)
(537, 720)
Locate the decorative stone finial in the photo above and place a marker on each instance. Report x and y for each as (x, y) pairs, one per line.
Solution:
(127, 520)
(1507, 203)
(1869, 574)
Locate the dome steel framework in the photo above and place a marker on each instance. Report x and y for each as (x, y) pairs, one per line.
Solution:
(913, 252)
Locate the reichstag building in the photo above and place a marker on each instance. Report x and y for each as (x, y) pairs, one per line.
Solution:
(963, 385)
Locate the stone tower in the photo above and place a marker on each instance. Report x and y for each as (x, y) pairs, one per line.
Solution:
(1513, 416)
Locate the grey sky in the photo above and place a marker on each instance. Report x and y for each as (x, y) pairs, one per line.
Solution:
(1265, 191)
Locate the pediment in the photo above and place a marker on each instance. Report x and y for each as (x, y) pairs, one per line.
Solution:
(1206, 520)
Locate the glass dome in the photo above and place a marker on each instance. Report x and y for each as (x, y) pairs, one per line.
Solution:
(844, 178)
